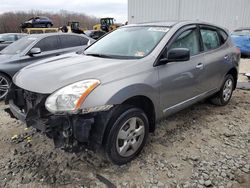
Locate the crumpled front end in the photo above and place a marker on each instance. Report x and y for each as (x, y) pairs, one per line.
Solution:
(67, 131)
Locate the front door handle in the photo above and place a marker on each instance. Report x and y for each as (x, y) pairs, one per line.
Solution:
(226, 57)
(200, 66)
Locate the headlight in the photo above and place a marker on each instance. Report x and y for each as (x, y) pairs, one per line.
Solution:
(70, 98)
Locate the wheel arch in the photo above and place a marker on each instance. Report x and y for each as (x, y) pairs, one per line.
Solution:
(139, 101)
(6, 74)
(234, 73)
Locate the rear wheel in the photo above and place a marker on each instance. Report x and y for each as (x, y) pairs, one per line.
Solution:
(4, 85)
(48, 25)
(127, 136)
(223, 97)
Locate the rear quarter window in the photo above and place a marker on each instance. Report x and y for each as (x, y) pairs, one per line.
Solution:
(223, 36)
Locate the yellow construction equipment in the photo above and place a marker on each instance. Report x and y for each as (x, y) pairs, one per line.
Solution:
(106, 24)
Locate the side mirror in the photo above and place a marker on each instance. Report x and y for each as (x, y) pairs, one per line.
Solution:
(35, 51)
(176, 55)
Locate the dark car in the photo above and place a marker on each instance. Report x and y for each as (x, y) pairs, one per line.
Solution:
(94, 34)
(38, 21)
(111, 97)
(7, 38)
(241, 39)
(33, 48)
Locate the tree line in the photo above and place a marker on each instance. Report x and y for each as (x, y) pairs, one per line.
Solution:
(10, 21)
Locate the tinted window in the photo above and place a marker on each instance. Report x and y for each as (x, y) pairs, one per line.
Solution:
(83, 41)
(210, 38)
(48, 44)
(68, 41)
(223, 36)
(188, 39)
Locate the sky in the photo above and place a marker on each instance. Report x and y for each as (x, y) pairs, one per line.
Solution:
(98, 8)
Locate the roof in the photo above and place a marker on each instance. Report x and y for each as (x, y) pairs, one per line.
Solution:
(173, 23)
(42, 35)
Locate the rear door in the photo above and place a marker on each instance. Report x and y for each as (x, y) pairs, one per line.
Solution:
(216, 56)
(180, 80)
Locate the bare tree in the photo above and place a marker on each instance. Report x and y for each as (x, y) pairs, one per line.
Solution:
(11, 21)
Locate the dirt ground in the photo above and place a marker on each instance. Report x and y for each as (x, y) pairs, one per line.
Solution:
(202, 146)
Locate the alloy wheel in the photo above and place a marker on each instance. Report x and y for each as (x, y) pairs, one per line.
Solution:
(4, 87)
(228, 90)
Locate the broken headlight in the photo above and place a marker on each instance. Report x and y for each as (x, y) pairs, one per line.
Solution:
(71, 97)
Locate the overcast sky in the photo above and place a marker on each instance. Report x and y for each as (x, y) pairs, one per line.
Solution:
(99, 8)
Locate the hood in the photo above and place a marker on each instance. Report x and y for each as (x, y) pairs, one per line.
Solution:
(48, 76)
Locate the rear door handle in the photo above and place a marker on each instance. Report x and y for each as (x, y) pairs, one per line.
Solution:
(200, 66)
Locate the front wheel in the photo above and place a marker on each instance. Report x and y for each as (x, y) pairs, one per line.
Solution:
(223, 97)
(4, 85)
(127, 136)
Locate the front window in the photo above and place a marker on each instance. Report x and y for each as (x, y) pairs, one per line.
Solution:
(18, 46)
(188, 39)
(128, 43)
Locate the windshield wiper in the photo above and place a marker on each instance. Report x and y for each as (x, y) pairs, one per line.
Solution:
(99, 55)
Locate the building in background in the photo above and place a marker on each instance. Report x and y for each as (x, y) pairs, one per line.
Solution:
(231, 14)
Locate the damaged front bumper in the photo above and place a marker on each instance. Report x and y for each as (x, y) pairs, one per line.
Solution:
(68, 131)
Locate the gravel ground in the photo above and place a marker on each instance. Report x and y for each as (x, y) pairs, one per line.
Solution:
(202, 146)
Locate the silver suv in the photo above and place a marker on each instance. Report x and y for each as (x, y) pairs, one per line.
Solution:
(111, 96)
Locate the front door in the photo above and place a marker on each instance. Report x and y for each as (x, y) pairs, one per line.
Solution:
(180, 80)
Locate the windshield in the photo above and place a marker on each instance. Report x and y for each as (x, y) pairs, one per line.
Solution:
(18, 46)
(242, 32)
(7, 37)
(128, 43)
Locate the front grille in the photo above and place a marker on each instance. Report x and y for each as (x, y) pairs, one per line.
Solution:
(27, 100)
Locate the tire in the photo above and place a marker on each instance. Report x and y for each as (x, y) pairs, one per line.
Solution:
(29, 26)
(223, 97)
(123, 135)
(48, 25)
(5, 83)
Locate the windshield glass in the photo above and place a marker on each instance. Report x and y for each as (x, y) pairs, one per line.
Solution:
(242, 32)
(18, 46)
(128, 43)
(7, 37)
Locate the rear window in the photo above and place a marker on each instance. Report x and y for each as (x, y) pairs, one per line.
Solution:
(68, 41)
(210, 38)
